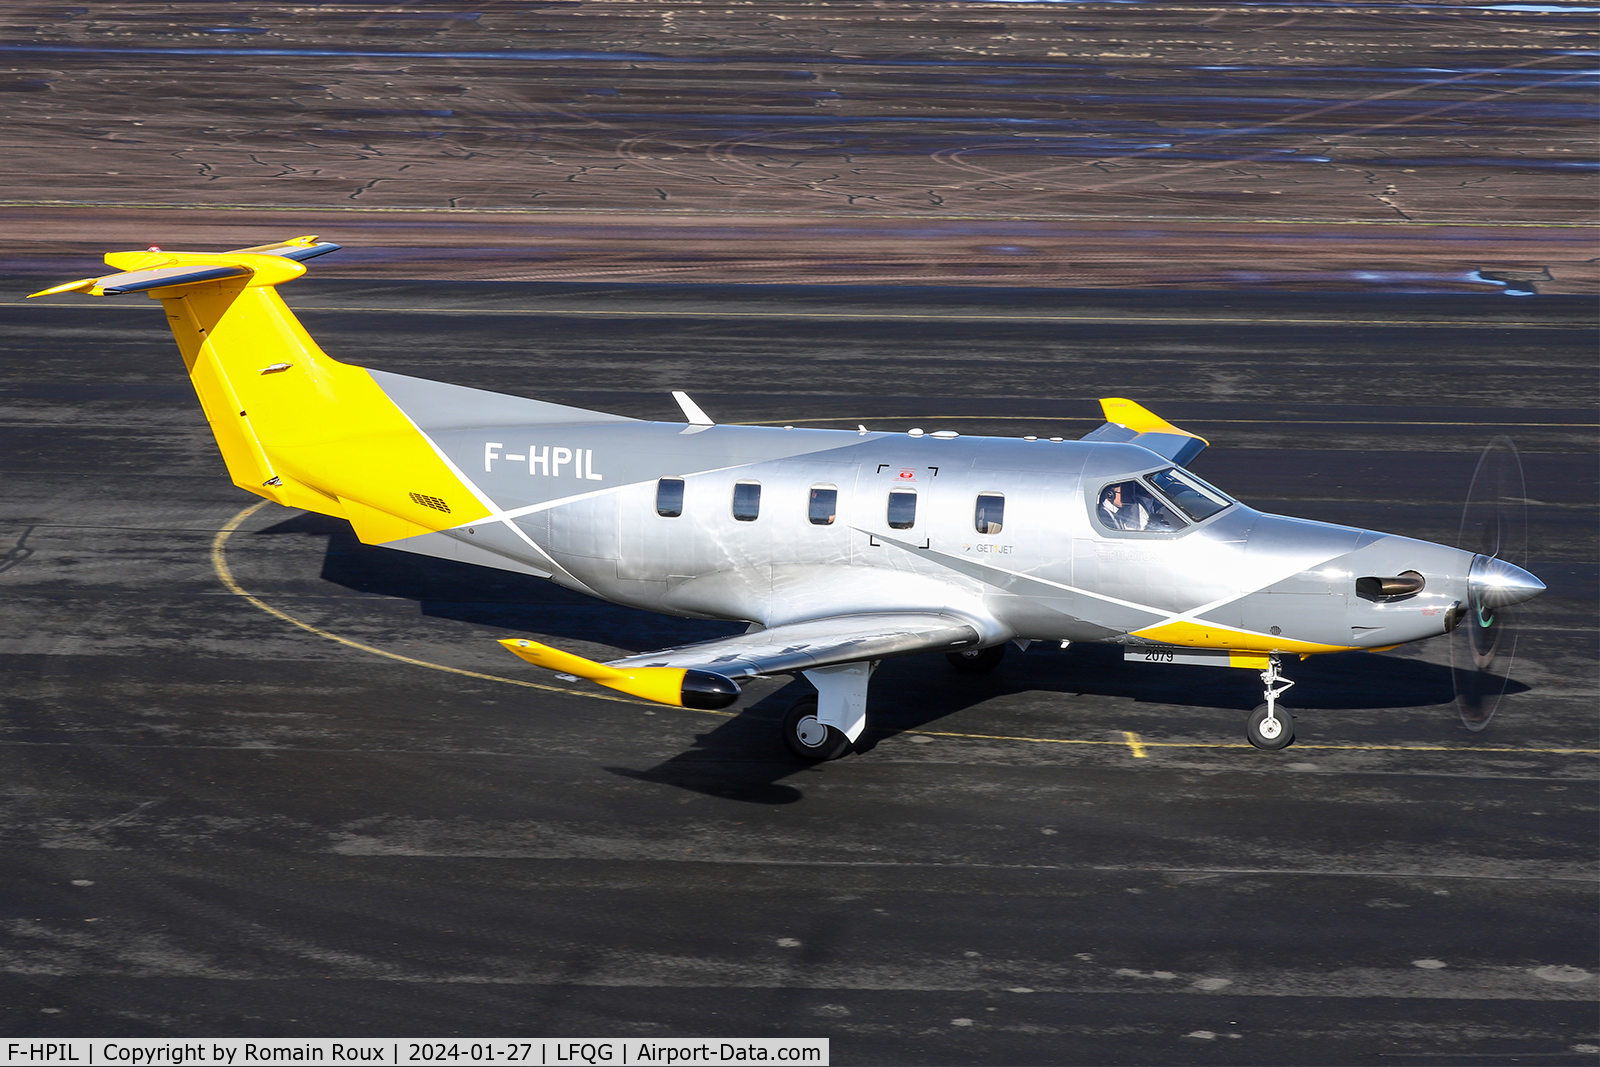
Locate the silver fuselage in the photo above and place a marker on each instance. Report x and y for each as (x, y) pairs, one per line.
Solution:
(577, 502)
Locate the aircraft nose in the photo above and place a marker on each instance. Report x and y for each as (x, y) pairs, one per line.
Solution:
(1496, 583)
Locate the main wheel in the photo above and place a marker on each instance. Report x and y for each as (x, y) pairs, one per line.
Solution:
(808, 738)
(1279, 735)
(977, 660)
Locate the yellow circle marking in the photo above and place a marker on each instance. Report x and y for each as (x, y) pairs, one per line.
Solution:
(219, 562)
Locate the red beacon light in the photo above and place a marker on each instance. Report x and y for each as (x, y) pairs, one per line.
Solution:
(155, 248)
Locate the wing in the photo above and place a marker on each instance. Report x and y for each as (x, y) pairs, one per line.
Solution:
(819, 643)
(702, 675)
(1128, 423)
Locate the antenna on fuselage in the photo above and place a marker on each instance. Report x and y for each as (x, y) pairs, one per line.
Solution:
(691, 410)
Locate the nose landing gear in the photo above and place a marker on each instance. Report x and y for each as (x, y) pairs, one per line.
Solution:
(1269, 726)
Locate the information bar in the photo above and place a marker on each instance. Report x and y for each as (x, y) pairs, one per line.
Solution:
(566, 1052)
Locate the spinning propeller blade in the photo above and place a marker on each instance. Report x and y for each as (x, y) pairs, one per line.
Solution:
(1494, 525)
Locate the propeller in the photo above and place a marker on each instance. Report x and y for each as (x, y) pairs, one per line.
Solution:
(1494, 526)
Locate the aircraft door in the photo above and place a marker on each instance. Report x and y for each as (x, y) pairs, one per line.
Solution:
(583, 536)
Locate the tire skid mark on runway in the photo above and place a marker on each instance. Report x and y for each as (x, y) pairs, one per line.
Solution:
(892, 216)
(857, 316)
(219, 563)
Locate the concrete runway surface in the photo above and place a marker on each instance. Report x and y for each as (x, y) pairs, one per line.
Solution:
(216, 822)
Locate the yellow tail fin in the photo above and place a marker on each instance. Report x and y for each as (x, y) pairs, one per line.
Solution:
(294, 425)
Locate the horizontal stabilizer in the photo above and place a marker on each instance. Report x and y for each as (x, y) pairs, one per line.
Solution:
(153, 268)
(801, 646)
(299, 249)
(1128, 423)
(139, 281)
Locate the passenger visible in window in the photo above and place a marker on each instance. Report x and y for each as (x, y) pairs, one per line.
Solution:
(824, 507)
(746, 501)
(902, 509)
(1130, 506)
(669, 498)
(990, 514)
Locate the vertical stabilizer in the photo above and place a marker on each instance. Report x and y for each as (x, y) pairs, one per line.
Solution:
(293, 424)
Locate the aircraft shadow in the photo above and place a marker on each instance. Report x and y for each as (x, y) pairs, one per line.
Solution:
(743, 758)
(463, 592)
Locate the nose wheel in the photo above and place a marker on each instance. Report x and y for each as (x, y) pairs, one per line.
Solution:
(1269, 726)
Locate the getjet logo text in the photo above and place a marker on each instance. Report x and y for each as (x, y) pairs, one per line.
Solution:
(546, 460)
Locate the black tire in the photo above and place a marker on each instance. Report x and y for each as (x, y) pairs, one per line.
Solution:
(808, 739)
(1285, 736)
(977, 660)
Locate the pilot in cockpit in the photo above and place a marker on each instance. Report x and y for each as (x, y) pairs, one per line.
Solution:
(1120, 510)
(1130, 506)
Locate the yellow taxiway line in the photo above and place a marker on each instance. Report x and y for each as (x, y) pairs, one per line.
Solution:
(1130, 740)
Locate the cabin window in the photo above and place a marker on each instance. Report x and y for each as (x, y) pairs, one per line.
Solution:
(824, 506)
(1194, 498)
(902, 509)
(669, 498)
(746, 501)
(990, 515)
(1132, 506)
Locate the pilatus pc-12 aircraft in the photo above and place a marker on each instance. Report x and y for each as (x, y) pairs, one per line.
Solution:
(839, 548)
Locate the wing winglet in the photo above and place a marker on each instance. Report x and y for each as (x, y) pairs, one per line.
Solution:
(679, 686)
(1130, 423)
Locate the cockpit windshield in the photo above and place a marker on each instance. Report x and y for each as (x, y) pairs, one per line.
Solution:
(1193, 497)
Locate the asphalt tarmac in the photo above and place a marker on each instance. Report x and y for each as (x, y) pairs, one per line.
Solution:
(1444, 147)
(229, 810)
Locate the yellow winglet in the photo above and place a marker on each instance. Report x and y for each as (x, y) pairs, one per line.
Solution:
(1139, 419)
(65, 287)
(678, 686)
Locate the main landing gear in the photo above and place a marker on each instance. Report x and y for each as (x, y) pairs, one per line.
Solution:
(1269, 726)
(977, 660)
(825, 725)
(809, 738)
